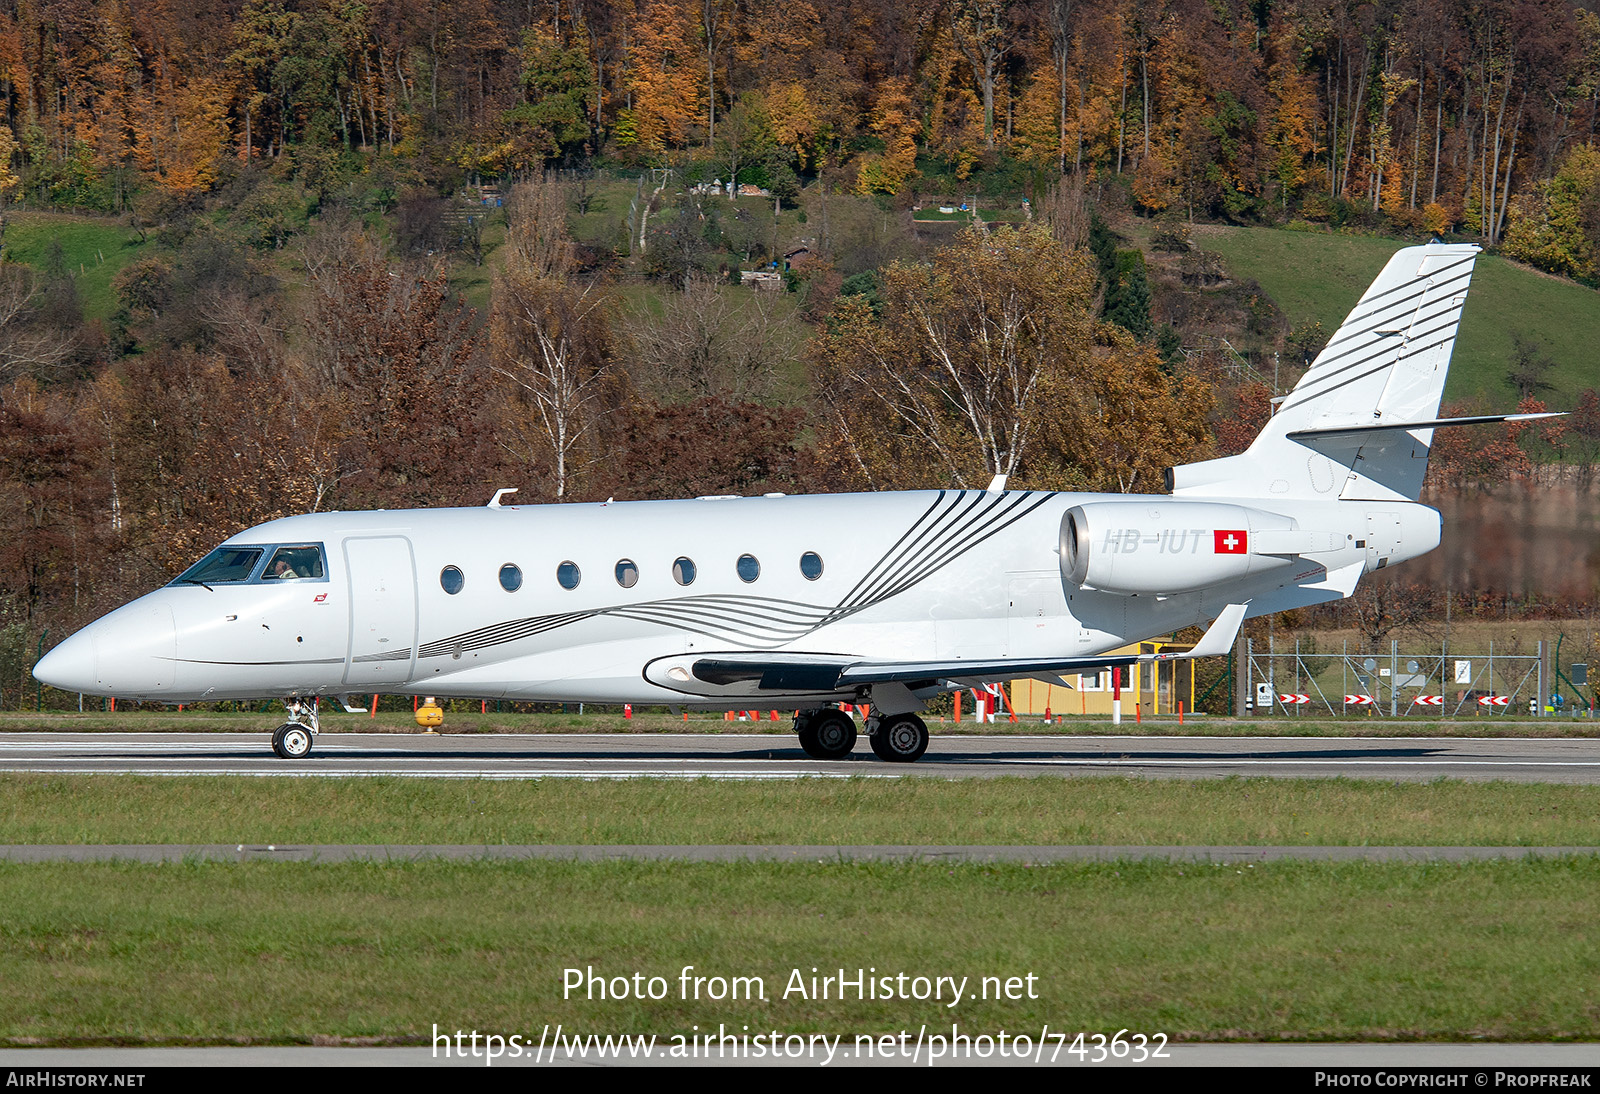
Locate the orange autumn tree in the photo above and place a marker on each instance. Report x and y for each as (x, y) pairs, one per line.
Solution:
(183, 133)
(665, 78)
(896, 122)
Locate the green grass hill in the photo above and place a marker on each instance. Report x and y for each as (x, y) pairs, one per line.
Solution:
(1317, 277)
(93, 249)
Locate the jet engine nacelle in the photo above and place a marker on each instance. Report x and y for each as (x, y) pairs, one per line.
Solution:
(1162, 546)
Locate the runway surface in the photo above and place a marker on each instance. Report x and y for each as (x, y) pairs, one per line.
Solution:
(751, 756)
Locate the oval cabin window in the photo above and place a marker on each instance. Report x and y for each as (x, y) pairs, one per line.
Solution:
(811, 565)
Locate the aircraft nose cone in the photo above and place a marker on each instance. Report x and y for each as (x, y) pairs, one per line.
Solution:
(70, 666)
(135, 649)
(130, 653)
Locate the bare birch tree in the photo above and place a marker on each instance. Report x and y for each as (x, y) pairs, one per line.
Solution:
(28, 346)
(536, 232)
(953, 367)
(550, 339)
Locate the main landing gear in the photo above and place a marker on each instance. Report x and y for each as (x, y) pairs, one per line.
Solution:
(830, 734)
(899, 738)
(826, 734)
(292, 740)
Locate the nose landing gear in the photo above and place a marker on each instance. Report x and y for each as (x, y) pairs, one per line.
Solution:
(292, 740)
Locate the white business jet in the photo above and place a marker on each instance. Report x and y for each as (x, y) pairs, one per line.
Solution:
(888, 599)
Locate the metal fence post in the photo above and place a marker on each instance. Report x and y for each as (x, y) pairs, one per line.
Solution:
(1394, 677)
(1249, 673)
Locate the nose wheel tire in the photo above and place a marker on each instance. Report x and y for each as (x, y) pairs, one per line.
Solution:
(291, 741)
(827, 735)
(901, 738)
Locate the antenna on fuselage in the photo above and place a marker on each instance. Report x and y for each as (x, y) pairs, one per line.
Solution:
(494, 502)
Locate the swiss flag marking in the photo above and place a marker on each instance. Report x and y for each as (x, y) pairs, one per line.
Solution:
(1232, 541)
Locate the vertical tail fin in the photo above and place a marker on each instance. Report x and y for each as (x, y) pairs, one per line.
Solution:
(1342, 433)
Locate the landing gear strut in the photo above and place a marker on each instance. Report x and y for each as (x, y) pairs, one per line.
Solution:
(292, 740)
(899, 738)
(826, 734)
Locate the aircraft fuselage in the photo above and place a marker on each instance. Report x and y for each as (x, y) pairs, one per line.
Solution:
(617, 602)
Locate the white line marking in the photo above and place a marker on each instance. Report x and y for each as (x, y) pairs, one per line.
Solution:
(1226, 762)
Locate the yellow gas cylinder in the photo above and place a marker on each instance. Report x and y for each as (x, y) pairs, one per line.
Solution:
(430, 714)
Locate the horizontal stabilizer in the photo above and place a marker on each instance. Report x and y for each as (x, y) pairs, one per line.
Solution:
(1435, 423)
(1218, 639)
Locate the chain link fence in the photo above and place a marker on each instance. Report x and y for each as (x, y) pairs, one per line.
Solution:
(1442, 682)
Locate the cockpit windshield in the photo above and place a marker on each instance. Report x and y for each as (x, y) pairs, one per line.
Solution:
(224, 566)
(236, 565)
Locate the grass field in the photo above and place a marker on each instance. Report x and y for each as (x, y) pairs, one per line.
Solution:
(273, 953)
(1319, 277)
(220, 809)
(94, 249)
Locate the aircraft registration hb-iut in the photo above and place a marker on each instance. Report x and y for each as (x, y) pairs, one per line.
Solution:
(809, 602)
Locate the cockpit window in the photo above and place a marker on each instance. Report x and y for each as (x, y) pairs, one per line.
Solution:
(225, 565)
(292, 563)
(236, 565)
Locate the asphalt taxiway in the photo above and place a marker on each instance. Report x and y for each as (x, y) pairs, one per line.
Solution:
(756, 756)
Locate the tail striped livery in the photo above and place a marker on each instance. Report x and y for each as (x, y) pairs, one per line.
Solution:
(1359, 424)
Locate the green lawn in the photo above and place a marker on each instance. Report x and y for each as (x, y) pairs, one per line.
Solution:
(94, 249)
(1318, 277)
(263, 952)
(1098, 810)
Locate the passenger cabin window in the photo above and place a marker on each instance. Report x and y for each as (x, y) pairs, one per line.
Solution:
(569, 575)
(627, 573)
(811, 565)
(511, 577)
(749, 568)
(298, 562)
(683, 571)
(450, 580)
(224, 566)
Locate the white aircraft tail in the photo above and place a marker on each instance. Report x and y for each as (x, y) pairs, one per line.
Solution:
(1360, 423)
